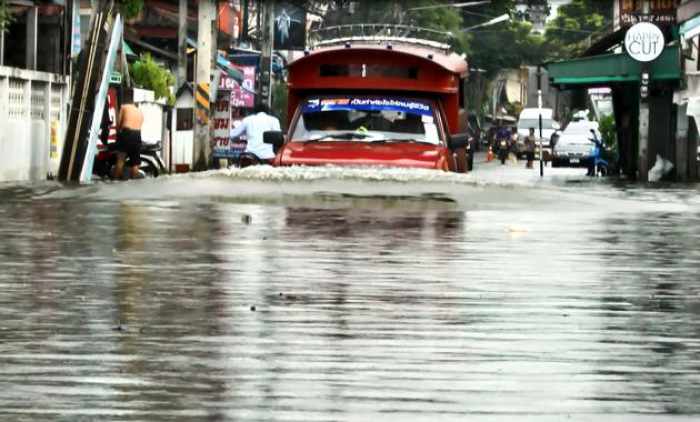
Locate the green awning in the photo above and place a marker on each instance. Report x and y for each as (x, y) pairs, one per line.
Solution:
(127, 49)
(614, 68)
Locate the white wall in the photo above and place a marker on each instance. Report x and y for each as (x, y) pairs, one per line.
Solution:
(152, 129)
(183, 140)
(30, 103)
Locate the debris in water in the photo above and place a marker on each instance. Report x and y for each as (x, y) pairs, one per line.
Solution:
(516, 229)
(252, 308)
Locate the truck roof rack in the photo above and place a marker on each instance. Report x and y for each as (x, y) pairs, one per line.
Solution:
(382, 34)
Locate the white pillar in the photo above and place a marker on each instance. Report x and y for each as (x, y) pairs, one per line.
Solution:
(643, 166)
(202, 148)
(681, 158)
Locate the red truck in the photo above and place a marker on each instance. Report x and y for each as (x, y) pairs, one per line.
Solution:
(375, 104)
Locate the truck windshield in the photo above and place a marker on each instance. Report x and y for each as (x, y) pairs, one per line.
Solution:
(366, 119)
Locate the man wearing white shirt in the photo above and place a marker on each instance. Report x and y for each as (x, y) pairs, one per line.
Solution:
(254, 126)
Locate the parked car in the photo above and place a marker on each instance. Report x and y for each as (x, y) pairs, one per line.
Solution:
(574, 147)
(530, 118)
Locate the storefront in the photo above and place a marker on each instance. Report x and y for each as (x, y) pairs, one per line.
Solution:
(645, 114)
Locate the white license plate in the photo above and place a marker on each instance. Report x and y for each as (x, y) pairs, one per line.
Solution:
(574, 160)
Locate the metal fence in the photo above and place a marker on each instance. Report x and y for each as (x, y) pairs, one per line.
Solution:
(33, 114)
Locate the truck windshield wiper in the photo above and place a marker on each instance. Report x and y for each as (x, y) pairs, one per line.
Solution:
(345, 135)
(395, 141)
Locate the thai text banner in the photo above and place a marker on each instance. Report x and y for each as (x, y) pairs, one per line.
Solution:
(368, 104)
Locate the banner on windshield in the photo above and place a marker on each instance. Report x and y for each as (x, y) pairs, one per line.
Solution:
(368, 104)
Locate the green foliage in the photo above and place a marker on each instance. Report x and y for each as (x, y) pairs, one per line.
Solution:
(279, 102)
(148, 74)
(6, 17)
(606, 126)
(608, 131)
(569, 34)
(440, 19)
(131, 8)
(444, 19)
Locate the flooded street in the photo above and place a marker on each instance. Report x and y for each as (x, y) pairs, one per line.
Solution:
(300, 295)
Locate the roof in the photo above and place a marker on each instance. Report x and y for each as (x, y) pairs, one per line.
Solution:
(184, 87)
(450, 61)
(605, 69)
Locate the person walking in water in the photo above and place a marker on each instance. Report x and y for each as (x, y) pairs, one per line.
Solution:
(128, 142)
(530, 148)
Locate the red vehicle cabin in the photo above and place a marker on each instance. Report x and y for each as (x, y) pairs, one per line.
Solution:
(374, 105)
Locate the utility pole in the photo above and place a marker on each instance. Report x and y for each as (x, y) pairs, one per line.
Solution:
(202, 148)
(243, 31)
(267, 31)
(182, 44)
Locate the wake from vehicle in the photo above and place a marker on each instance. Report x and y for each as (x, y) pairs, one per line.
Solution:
(490, 187)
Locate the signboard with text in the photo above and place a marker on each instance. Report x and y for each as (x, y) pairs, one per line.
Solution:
(222, 125)
(227, 115)
(644, 42)
(241, 96)
(660, 12)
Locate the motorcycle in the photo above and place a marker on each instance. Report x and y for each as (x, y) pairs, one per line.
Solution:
(151, 164)
(503, 146)
(597, 165)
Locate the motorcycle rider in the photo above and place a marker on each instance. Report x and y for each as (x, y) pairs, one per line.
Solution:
(503, 142)
(254, 126)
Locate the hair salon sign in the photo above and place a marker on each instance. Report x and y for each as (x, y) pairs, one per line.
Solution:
(644, 42)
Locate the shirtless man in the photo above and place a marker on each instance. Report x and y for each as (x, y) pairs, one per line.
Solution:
(128, 136)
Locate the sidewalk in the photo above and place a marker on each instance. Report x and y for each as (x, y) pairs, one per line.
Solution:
(516, 172)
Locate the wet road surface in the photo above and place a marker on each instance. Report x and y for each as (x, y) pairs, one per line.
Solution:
(266, 295)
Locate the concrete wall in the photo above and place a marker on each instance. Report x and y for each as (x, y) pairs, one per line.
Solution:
(32, 109)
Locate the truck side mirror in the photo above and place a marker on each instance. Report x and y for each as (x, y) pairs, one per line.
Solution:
(458, 140)
(274, 138)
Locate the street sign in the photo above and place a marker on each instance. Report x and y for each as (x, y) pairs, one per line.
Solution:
(644, 42)
(115, 77)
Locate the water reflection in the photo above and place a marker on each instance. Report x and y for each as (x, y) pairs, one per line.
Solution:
(331, 307)
(654, 315)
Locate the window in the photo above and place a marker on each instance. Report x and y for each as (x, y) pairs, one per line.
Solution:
(367, 119)
(184, 119)
(368, 71)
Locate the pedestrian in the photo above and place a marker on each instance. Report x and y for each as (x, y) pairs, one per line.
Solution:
(253, 127)
(128, 142)
(529, 144)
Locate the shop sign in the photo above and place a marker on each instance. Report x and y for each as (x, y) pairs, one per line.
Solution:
(644, 42)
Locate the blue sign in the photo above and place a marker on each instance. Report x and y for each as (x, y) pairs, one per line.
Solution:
(368, 104)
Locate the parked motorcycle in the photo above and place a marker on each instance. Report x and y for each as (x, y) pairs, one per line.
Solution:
(597, 165)
(151, 164)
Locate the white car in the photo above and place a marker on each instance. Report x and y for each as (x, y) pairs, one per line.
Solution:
(574, 147)
(530, 118)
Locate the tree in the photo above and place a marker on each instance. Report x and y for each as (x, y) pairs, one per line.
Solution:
(5, 16)
(131, 8)
(569, 34)
(397, 12)
(148, 74)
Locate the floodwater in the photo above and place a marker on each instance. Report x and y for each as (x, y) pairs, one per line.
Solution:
(314, 295)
